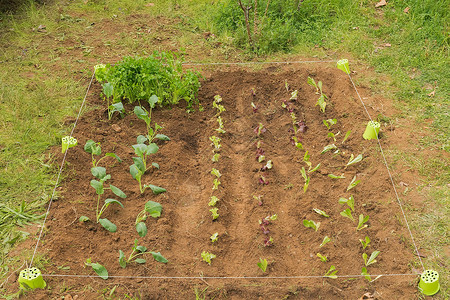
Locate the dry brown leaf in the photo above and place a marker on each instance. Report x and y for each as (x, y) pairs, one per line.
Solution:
(432, 93)
(386, 45)
(149, 4)
(381, 3)
(367, 296)
(406, 10)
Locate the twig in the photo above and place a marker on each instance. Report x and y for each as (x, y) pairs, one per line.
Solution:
(247, 22)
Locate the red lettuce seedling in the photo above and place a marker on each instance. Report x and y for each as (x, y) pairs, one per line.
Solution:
(267, 166)
(254, 107)
(262, 180)
(260, 130)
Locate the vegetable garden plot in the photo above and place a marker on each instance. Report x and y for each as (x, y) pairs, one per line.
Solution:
(285, 189)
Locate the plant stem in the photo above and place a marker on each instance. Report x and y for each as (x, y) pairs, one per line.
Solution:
(96, 212)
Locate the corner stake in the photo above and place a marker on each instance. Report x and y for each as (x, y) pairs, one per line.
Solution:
(31, 278)
(343, 65)
(68, 142)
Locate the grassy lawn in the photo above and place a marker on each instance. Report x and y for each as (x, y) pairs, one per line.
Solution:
(47, 54)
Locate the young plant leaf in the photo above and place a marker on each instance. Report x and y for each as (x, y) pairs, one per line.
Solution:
(155, 165)
(108, 225)
(100, 270)
(98, 186)
(92, 147)
(122, 261)
(98, 172)
(321, 212)
(109, 201)
(213, 200)
(207, 257)
(139, 163)
(322, 257)
(348, 214)
(311, 224)
(153, 209)
(162, 137)
(83, 219)
(361, 222)
(336, 176)
(262, 264)
(152, 149)
(312, 83)
(214, 237)
(347, 134)
(315, 168)
(135, 172)
(326, 239)
(115, 107)
(365, 274)
(214, 213)
(158, 257)
(156, 189)
(354, 160)
(140, 260)
(331, 273)
(353, 183)
(371, 259)
(365, 243)
(321, 102)
(350, 202)
(117, 191)
(328, 148)
(141, 139)
(142, 114)
(303, 172)
(153, 100)
(141, 229)
(108, 89)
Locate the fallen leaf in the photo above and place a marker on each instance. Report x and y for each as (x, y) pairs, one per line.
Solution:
(381, 3)
(406, 10)
(432, 93)
(116, 128)
(149, 4)
(386, 45)
(367, 296)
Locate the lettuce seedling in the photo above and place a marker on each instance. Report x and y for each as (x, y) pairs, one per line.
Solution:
(215, 172)
(215, 142)
(267, 166)
(268, 241)
(353, 183)
(152, 209)
(254, 107)
(367, 275)
(214, 213)
(262, 264)
(220, 129)
(215, 157)
(321, 212)
(137, 251)
(336, 176)
(330, 122)
(350, 202)
(314, 169)
(361, 222)
(260, 130)
(371, 259)
(216, 183)
(326, 239)
(262, 180)
(365, 243)
(347, 134)
(331, 135)
(328, 148)
(348, 214)
(214, 237)
(311, 224)
(98, 268)
(331, 273)
(306, 178)
(95, 150)
(354, 160)
(323, 258)
(260, 155)
(294, 95)
(207, 257)
(213, 200)
(100, 72)
(321, 101)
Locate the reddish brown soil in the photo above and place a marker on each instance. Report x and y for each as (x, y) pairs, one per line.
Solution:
(183, 231)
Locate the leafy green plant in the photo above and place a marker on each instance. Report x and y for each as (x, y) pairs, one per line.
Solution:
(220, 108)
(365, 243)
(354, 160)
(321, 212)
(367, 275)
(207, 257)
(350, 202)
(152, 209)
(372, 258)
(348, 214)
(311, 224)
(95, 150)
(136, 254)
(108, 91)
(100, 72)
(330, 122)
(361, 221)
(216, 183)
(323, 258)
(215, 157)
(215, 142)
(143, 151)
(331, 273)
(331, 135)
(98, 268)
(326, 240)
(321, 101)
(353, 183)
(214, 213)
(146, 116)
(215, 172)
(221, 127)
(213, 200)
(214, 237)
(262, 264)
(306, 178)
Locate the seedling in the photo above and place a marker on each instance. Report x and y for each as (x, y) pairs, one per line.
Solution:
(365, 243)
(336, 176)
(268, 241)
(214, 213)
(137, 170)
(260, 155)
(216, 183)
(214, 237)
(347, 134)
(350, 202)
(220, 108)
(367, 275)
(220, 121)
(314, 169)
(100, 71)
(331, 273)
(331, 135)
(152, 209)
(294, 95)
(143, 151)
(348, 214)
(260, 130)
(323, 258)
(98, 268)
(311, 224)
(306, 178)
(215, 172)
(115, 107)
(353, 183)
(215, 157)
(326, 239)
(361, 222)
(213, 200)
(354, 160)
(215, 142)
(262, 180)
(136, 254)
(267, 166)
(330, 122)
(371, 259)
(262, 264)
(68, 142)
(321, 101)
(95, 150)
(328, 148)
(207, 257)
(254, 107)
(321, 212)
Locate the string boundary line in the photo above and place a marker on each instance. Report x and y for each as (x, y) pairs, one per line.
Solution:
(257, 62)
(60, 171)
(389, 172)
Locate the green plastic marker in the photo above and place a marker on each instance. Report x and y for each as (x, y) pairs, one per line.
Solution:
(68, 142)
(372, 130)
(31, 278)
(429, 282)
(343, 65)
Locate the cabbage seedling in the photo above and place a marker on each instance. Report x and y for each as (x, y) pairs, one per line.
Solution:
(311, 224)
(330, 122)
(95, 150)
(98, 268)
(321, 212)
(137, 170)
(214, 213)
(331, 273)
(361, 222)
(137, 251)
(371, 259)
(354, 160)
(214, 237)
(207, 257)
(350, 202)
(306, 178)
(365, 243)
(353, 183)
(152, 209)
(143, 151)
(348, 214)
(323, 258)
(262, 264)
(326, 239)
